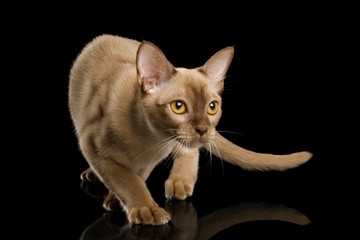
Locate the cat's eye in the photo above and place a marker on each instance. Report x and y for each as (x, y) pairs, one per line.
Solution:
(212, 108)
(178, 107)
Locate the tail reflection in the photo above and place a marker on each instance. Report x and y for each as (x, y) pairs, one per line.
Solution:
(247, 212)
(185, 223)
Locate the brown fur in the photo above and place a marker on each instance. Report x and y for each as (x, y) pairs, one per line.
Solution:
(120, 94)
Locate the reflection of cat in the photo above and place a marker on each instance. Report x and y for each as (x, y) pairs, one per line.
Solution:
(186, 224)
(131, 108)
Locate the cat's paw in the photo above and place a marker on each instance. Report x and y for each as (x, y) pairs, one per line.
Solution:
(150, 232)
(148, 216)
(182, 213)
(178, 189)
(111, 203)
(88, 175)
(183, 217)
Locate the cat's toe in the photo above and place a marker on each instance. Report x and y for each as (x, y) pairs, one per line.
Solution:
(88, 175)
(111, 203)
(178, 189)
(149, 216)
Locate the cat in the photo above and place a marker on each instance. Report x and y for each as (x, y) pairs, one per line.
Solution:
(132, 108)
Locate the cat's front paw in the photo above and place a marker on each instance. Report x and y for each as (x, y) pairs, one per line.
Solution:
(178, 189)
(148, 216)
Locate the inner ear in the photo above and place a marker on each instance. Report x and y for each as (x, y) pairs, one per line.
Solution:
(216, 67)
(153, 69)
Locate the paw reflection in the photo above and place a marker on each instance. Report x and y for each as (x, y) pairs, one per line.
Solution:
(94, 189)
(185, 224)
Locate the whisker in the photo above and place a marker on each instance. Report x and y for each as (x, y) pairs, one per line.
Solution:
(211, 159)
(220, 139)
(230, 76)
(230, 82)
(221, 131)
(175, 148)
(168, 129)
(230, 90)
(210, 150)
(166, 163)
(158, 145)
(179, 146)
(209, 163)
(222, 161)
(165, 145)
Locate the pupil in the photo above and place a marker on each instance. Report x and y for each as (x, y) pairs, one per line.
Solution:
(178, 105)
(212, 106)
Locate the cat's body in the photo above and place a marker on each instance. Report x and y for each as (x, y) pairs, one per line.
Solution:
(131, 109)
(113, 118)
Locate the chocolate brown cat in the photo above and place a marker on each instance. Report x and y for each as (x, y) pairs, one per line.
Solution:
(132, 108)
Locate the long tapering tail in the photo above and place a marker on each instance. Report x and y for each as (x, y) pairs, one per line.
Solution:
(256, 161)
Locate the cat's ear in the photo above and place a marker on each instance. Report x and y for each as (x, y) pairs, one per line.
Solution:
(153, 69)
(216, 67)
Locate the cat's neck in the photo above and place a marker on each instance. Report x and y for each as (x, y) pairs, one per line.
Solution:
(132, 120)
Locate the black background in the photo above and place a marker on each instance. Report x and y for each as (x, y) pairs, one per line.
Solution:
(279, 96)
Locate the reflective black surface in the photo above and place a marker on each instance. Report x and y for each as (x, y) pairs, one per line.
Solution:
(227, 202)
(187, 224)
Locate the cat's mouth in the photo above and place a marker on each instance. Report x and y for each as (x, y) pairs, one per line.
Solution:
(192, 142)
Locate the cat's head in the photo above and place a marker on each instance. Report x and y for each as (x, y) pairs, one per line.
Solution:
(182, 103)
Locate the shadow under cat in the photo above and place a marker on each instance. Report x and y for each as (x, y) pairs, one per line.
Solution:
(185, 223)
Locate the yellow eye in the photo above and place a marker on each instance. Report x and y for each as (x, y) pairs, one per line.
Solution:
(212, 108)
(178, 107)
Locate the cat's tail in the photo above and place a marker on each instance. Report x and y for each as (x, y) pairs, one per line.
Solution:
(226, 150)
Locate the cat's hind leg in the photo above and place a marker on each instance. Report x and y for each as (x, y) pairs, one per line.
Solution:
(89, 175)
(111, 203)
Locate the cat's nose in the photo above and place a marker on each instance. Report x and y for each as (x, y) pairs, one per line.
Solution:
(201, 130)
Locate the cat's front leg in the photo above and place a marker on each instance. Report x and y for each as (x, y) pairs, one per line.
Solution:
(183, 176)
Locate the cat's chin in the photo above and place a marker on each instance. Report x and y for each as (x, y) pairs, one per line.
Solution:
(193, 143)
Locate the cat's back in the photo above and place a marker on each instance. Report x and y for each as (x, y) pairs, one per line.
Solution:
(102, 62)
(101, 55)
(105, 46)
(110, 45)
